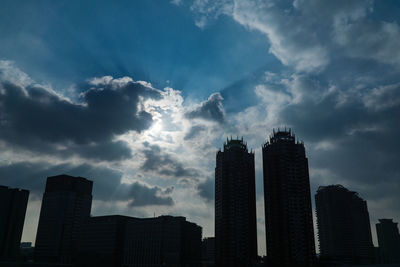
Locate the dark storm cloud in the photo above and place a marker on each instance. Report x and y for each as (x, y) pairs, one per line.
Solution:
(165, 164)
(206, 189)
(107, 184)
(211, 109)
(36, 118)
(144, 196)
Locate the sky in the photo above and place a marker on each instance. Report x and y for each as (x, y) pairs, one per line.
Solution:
(138, 96)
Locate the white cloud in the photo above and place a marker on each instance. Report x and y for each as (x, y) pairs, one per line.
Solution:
(374, 40)
(304, 34)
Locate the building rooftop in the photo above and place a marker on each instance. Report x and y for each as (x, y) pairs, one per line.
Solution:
(279, 136)
(386, 221)
(235, 144)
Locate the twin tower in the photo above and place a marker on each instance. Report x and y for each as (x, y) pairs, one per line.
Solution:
(288, 212)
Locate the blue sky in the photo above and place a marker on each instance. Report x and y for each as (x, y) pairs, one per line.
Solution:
(139, 95)
(66, 42)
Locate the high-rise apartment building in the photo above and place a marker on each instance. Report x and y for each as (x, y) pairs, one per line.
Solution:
(13, 202)
(288, 212)
(388, 240)
(66, 205)
(235, 206)
(344, 229)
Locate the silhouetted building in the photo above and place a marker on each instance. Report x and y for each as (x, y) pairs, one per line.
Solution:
(127, 241)
(235, 206)
(101, 241)
(208, 252)
(13, 202)
(162, 241)
(26, 251)
(288, 212)
(344, 229)
(388, 240)
(65, 207)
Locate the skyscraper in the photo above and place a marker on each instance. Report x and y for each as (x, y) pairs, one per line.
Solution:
(13, 202)
(235, 206)
(288, 212)
(344, 229)
(388, 240)
(66, 205)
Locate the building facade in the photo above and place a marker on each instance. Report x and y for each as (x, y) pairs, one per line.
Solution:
(208, 252)
(13, 202)
(235, 206)
(66, 205)
(101, 242)
(115, 241)
(344, 229)
(288, 212)
(388, 240)
(162, 241)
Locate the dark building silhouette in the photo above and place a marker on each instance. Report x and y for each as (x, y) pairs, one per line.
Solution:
(66, 205)
(288, 212)
(235, 206)
(127, 241)
(162, 241)
(13, 202)
(208, 252)
(388, 240)
(344, 229)
(101, 242)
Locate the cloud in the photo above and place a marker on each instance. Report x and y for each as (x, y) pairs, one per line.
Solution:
(107, 185)
(194, 131)
(144, 196)
(210, 110)
(206, 189)
(163, 163)
(350, 133)
(36, 118)
(370, 39)
(304, 34)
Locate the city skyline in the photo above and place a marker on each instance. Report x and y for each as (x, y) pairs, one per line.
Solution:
(140, 95)
(341, 214)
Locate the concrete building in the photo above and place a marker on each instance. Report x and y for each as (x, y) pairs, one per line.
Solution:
(288, 212)
(344, 230)
(66, 205)
(13, 202)
(132, 242)
(235, 206)
(101, 242)
(162, 241)
(388, 240)
(208, 252)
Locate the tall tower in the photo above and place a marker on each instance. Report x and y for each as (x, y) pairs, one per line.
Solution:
(389, 241)
(13, 202)
(288, 212)
(66, 205)
(235, 206)
(344, 229)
